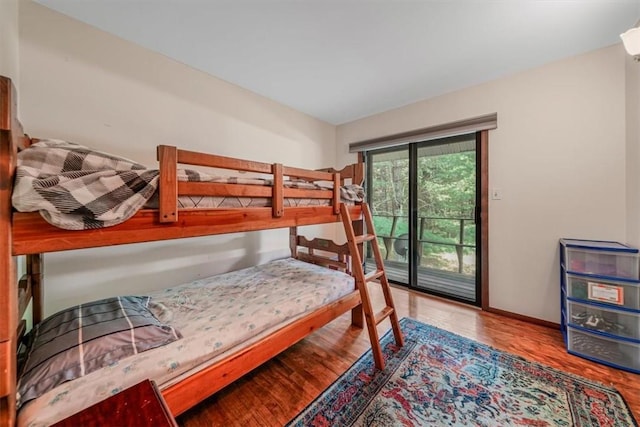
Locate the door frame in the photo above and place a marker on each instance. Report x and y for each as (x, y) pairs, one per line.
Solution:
(482, 144)
(482, 218)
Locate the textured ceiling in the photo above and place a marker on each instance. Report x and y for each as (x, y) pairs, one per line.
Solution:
(343, 60)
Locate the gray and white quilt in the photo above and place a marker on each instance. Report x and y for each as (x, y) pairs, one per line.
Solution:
(77, 188)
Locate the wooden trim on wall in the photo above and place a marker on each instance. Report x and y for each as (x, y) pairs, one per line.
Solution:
(484, 219)
(509, 314)
(524, 318)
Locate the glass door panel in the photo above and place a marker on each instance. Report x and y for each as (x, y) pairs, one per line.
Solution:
(388, 188)
(446, 193)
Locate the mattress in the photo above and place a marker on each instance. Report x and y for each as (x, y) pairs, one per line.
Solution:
(349, 194)
(217, 316)
(207, 202)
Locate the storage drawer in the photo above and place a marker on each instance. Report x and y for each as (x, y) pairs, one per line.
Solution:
(603, 258)
(617, 293)
(618, 264)
(601, 319)
(620, 353)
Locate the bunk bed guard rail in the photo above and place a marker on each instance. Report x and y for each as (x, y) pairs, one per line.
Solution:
(170, 157)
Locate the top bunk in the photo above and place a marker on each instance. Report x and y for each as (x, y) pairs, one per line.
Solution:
(279, 190)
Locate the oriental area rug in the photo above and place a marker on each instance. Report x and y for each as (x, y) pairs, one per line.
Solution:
(442, 379)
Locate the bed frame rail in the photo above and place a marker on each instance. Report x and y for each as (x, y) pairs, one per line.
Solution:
(189, 392)
(170, 157)
(32, 234)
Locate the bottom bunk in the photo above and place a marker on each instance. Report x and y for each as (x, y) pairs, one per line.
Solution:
(213, 331)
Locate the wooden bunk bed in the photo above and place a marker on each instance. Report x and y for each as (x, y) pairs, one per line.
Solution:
(29, 234)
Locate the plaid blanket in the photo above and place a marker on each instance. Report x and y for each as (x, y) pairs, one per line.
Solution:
(77, 188)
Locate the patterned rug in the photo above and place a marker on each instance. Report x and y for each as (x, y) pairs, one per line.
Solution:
(442, 379)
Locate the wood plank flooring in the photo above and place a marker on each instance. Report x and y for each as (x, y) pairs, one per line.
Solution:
(274, 393)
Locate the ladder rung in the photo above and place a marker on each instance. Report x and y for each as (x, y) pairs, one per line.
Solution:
(364, 238)
(373, 275)
(383, 314)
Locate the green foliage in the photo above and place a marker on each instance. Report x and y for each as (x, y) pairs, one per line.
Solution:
(383, 225)
(446, 185)
(446, 199)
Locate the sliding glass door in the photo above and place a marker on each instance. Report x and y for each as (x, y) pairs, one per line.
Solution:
(424, 197)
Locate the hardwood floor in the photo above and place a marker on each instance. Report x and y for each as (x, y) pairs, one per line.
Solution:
(274, 393)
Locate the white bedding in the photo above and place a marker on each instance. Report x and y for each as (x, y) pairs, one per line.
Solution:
(215, 315)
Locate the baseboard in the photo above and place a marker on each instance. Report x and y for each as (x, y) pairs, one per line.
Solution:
(524, 318)
(504, 313)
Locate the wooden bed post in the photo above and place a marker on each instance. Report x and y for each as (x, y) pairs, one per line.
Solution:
(10, 130)
(277, 200)
(358, 173)
(35, 270)
(293, 241)
(168, 183)
(357, 314)
(336, 193)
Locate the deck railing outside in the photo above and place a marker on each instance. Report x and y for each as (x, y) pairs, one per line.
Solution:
(389, 240)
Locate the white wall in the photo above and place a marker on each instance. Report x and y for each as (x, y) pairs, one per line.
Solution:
(84, 85)
(632, 70)
(9, 53)
(558, 155)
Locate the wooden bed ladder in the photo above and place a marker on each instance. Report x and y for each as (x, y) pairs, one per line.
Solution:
(356, 248)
